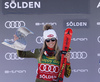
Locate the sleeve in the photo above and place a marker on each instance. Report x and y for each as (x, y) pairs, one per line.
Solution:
(29, 54)
(67, 70)
(68, 67)
(69, 49)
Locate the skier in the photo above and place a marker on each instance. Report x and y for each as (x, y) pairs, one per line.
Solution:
(49, 57)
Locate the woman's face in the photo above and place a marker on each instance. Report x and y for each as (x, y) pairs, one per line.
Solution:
(51, 42)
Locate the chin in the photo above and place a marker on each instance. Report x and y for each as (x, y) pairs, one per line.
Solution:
(51, 46)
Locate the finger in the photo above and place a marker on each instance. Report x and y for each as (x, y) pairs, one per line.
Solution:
(68, 54)
(15, 37)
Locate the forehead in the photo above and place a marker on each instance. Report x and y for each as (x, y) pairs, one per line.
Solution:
(50, 37)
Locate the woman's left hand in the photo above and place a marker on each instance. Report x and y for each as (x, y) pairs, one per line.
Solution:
(67, 56)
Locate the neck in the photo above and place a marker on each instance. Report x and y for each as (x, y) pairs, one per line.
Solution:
(50, 48)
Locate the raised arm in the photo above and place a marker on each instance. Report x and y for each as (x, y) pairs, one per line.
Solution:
(29, 54)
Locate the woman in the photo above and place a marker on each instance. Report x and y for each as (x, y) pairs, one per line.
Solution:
(48, 57)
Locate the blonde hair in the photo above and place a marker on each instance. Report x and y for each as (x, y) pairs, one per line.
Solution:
(57, 50)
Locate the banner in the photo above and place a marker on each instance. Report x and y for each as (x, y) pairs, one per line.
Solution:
(45, 6)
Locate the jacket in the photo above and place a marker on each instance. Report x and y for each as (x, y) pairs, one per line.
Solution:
(48, 68)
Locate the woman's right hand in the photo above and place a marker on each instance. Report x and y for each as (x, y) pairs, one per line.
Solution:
(15, 37)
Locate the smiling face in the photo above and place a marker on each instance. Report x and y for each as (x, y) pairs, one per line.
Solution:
(50, 42)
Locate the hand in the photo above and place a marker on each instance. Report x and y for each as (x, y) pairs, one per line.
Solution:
(67, 56)
(15, 37)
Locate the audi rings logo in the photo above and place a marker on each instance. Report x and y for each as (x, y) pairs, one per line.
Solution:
(12, 56)
(78, 55)
(99, 70)
(39, 39)
(14, 24)
(49, 68)
(98, 39)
